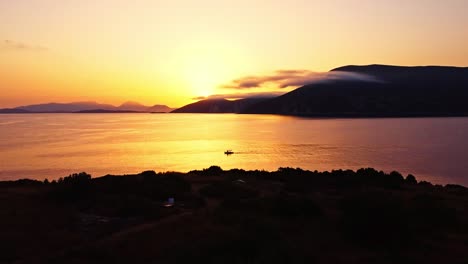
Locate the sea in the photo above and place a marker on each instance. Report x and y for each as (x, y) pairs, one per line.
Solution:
(40, 146)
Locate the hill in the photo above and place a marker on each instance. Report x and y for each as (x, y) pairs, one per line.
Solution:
(103, 111)
(159, 109)
(132, 106)
(13, 111)
(64, 107)
(235, 216)
(219, 106)
(393, 91)
(87, 107)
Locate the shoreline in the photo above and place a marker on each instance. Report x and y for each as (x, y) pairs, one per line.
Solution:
(299, 115)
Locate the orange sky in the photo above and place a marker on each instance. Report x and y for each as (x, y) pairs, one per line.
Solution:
(167, 52)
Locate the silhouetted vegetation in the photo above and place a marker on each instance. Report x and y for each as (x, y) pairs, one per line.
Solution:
(73, 187)
(411, 179)
(228, 190)
(377, 219)
(236, 216)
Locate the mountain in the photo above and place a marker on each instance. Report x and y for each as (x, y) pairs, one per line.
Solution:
(133, 106)
(86, 107)
(219, 106)
(390, 91)
(208, 106)
(13, 111)
(64, 107)
(160, 109)
(104, 111)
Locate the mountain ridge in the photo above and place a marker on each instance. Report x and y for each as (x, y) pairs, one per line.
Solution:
(401, 91)
(219, 106)
(391, 91)
(86, 106)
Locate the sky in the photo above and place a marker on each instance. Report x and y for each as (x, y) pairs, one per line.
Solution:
(172, 52)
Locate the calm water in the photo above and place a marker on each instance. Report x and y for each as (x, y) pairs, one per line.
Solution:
(54, 145)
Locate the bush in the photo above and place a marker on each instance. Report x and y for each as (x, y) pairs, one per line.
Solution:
(213, 171)
(425, 184)
(294, 207)
(76, 180)
(375, 219)
(430, 213)
(394, 180)
(228, 190)
(411, 179)
(457, 189)
(72, 188)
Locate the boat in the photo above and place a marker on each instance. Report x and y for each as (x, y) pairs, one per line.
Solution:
(228, 152)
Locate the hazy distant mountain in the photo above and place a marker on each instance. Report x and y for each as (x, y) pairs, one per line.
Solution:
(64, 107)
(397, 91)
(137, 107)
(13, 111)
(219, 106)
(89, 107)
(133, 106)
(160, 109)
(104, 111)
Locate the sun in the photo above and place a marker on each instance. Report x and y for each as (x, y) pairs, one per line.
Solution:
(204, 74)
(202, 83)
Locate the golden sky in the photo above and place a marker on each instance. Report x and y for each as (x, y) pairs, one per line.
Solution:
(170, 51)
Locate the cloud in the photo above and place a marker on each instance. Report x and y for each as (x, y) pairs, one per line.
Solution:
(240, 95)
(295, 78)
(19, 46)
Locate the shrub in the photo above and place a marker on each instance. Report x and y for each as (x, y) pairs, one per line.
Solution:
(375, 219)
(73, 187)
(294, 207)
(76, 180)
(228, 190)
(213, 171)
(430, 213)
(411, 179)
(394, 180)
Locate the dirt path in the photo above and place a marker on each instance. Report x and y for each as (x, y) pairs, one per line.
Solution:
(140, 228)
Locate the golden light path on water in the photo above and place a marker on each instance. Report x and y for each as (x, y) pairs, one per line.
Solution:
(55, 145)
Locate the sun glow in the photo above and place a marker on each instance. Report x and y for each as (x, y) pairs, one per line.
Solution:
(204, 74)
(206, 67)
(201, 82)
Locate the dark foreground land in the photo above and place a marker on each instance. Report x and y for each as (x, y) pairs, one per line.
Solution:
(236, 216)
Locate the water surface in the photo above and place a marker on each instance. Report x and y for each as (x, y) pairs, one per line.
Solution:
(53, 145)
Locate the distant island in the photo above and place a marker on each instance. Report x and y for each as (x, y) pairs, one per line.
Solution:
(87, 107)
(235, 216)
(391, 91)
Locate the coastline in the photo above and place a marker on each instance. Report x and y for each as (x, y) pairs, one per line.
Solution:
(298, 115)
